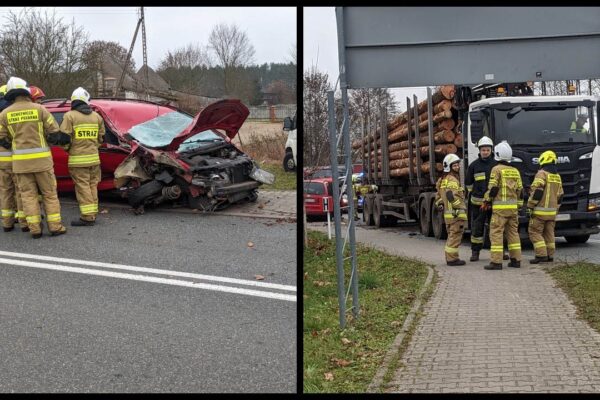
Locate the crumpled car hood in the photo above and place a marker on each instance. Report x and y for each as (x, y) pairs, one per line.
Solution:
(227, 115)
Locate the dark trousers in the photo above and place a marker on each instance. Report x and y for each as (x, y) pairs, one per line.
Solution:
(478, 220)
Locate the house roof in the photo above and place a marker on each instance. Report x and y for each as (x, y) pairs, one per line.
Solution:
(156, 82)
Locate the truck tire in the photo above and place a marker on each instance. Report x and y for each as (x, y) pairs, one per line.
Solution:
(377, 217)
(425, 218)
(288, 162)
(437, 223)
(137, 197)
(368, 211)
(577, 239)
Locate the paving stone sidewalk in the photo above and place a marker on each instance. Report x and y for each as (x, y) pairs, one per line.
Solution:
(491, 331)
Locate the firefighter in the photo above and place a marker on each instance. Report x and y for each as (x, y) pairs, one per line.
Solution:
(504, 196)
(24, 127)
(9, 194)
(450, 198)
(545, 196)
(3, 102)
(37, 94)
(82, 131)
(476, 180)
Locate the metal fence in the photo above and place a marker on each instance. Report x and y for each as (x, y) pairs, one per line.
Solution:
(275, 113)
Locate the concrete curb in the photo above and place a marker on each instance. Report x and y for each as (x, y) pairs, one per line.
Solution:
(377, 381)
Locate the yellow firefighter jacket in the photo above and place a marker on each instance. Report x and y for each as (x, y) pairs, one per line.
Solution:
(454, 208)
(509, 196)
(27, 125)
(551, 184)
(87, 134)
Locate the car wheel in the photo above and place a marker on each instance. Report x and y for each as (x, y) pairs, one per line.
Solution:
(138, 196)
(577, 239)
(288, 162)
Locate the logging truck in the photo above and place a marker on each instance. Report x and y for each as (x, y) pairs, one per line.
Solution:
(405, 162)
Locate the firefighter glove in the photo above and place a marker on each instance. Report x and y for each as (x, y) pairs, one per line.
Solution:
(4, 142)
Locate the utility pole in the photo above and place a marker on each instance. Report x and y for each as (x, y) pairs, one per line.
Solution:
(120, 84)
(145, 50)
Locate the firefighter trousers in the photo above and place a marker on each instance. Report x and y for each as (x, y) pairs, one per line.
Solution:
(477, 226)
(86, 181)
(455, 231)
(10, 197)
(541, 234)
(30, 184)
(505, 222)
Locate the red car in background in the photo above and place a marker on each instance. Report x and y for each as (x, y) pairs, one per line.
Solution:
(155, 153)
(315, 193)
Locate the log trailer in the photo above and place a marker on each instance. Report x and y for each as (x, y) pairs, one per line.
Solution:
(452, 120)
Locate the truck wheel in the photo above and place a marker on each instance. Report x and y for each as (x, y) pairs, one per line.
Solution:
(368, 211)
(380, 220)
(577, 239)
(437, 223)
(288, 162)
(425, 219)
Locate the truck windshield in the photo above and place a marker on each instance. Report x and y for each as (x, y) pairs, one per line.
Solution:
(535, 127)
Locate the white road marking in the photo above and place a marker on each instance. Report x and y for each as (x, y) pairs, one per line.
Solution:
(144, 278)
(151, 270)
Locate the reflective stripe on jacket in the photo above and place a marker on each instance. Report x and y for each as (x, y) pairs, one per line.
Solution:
(87, 134)
(551, 184)
(456, 209)
(508, 181)
(27, 124)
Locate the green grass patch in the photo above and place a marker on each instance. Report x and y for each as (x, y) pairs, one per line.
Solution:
(346, 360)
(283, 180)
(581, 282)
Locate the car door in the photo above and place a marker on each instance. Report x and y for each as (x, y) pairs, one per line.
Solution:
(111, 155)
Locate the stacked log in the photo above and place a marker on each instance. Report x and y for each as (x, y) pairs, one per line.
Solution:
(447, 137)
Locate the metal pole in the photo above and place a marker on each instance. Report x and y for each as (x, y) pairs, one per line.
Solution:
(432, 171)
(339, 242)
(348, 150)
(350, 191)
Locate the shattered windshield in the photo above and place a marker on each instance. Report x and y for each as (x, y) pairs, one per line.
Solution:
(160, 131)
(202, 139)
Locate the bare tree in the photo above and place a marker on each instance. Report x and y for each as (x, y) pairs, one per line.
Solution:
(43, 50)
(233, 51)
(365, 104)
(315, 134)
(186, 67)
(94, 56)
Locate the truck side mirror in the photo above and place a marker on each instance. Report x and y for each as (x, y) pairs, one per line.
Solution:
(287, 124)
(476, 120)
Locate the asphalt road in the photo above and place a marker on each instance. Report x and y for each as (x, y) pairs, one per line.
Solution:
(171, 305)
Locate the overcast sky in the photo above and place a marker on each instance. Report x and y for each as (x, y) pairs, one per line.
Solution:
(271, 30)
(320, 49)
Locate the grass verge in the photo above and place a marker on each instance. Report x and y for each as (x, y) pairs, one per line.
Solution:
(581, 282)
(283, 180)
(346, 360)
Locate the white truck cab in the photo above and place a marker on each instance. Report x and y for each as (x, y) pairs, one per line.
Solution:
(533, 124)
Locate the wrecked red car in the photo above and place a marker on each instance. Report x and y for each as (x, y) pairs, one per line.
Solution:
(155, 153)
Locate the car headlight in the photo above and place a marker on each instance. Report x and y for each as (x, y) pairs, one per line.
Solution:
(586, 156)
(594, 204)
